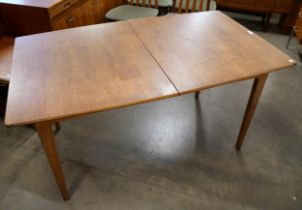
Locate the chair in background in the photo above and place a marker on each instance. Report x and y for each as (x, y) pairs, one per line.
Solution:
(186, 6)
(296, 30)
(164, 6)
(134, 10)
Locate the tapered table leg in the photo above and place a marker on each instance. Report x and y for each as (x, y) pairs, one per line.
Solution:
(251, 107)
(197, 94)
(47, 139)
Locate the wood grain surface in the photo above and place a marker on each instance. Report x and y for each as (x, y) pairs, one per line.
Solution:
(96, 68)
(206, 49)
(79, 71)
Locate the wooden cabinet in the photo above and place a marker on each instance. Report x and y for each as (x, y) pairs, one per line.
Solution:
(85, 14)
(287, 21)
(298, 27)
(287, 8)
(30, 17)
(254, 6)
(279, 6)
(283, 6)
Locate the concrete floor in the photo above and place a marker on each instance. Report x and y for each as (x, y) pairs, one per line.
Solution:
(172, 154)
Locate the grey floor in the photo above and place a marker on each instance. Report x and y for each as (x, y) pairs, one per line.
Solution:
(172, 154)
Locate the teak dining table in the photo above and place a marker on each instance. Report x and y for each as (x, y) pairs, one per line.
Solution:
(65, 74)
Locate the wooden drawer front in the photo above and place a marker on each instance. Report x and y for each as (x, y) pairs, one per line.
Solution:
(61, 7)
(247, 5)
(80, 16)
(265, 4)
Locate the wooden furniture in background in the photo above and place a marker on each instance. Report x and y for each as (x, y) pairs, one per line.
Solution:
(2, 33)
(6, 57)
(296, 30)
(33, 16)
(298, 26)
(288, 20)
(157, 58)
(133, 10)
(6, 54)
(287, 8)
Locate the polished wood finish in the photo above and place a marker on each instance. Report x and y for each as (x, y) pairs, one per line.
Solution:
(193, 52)
(80, 71)
(47, 139)
(251, 107)
(197, 5)
(21, 17)
(6, 55)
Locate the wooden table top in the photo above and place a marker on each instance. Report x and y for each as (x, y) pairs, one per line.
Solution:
(6, 55)
(207, 49)
(73, 72)
(79, 71)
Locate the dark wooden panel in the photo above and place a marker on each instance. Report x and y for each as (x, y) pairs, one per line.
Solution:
(253, 6)
(279, 6)
(6, 55)
(288, 21)
(24, 20)
(283, 6)
(32, 3)
(2, 32)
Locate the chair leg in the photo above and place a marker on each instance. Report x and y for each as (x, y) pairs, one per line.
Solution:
(58, 127)
(290, 38)
(267, 22)
(197, 95)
